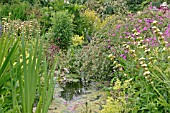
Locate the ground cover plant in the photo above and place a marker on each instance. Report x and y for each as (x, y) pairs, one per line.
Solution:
(123, 46)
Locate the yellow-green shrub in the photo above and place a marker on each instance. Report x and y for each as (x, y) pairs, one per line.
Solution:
(77, 40)
(93, 18)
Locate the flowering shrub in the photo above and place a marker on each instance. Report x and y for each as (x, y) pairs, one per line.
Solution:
(142, 53)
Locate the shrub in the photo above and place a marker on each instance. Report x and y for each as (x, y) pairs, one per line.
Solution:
(62, 28)
(87, 23)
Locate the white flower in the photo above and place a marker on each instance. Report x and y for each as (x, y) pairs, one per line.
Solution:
(146, 73)
(110, 55)
(164, 4)
(147, 50)
(141, 62)
(142, 58)
(144, 65)
(168, 57)
(155, 22)
(154, 27)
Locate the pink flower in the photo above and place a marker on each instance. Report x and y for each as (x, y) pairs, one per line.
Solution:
(145, 28)
(123, 56)
(139, 21)
(150, 6)
(113, 34)
(118, 26)
(127, 33)
(160, 23)
(126, 36)
(120, 37)
(160, 17)
(126, 51)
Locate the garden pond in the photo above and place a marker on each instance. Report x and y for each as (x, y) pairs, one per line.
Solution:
(75, 97)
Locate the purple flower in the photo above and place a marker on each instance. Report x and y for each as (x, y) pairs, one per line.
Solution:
(113, 34)
(132, 35)
(150, 6)
(160, 17)
(138, 30)
(168, 45)
(0, 30)
(160, 23)
(126, 51)
(149, 20)
(145, 29)
(120, 37)
(118, 26)
(167, 31)
(123, 56)
(154, 38)
(139, 21)
(127, 33)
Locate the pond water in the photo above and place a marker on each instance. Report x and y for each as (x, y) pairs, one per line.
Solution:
(74, 97)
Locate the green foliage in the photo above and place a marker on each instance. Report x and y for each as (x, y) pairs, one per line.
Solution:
(88, 23)
(107, 7)
(62, 28)
(87, 62)
(136, 5)
(23, 77)
(17, 10)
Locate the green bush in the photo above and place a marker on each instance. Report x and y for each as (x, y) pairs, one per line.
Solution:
(89, 63)
(62, 28)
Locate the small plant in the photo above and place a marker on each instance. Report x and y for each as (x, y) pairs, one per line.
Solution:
(118, 101)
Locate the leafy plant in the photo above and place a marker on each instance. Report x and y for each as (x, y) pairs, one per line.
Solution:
(62, 28)
(26, 76)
